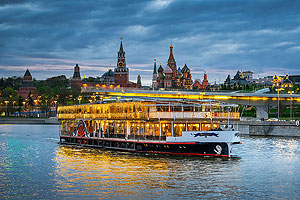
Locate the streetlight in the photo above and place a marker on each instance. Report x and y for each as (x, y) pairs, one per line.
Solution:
(6, 102)
(55, 106)
(35, 102)
(291, 109)
(278, 90)
(276, 80)
(79, 99)
(55, 103)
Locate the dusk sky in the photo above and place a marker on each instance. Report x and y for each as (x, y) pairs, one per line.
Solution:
(50, 37)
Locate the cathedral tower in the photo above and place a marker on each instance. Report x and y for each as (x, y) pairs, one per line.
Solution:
(154, 78)
(172, 64)
(205, 81)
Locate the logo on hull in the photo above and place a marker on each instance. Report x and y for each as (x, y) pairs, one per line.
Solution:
(206, 135)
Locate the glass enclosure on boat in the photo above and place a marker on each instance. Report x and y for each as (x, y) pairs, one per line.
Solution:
(145, 119)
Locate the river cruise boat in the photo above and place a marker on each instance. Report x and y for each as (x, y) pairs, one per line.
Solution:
(199, 128)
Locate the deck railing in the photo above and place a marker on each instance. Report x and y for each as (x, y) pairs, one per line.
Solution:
(154, 115)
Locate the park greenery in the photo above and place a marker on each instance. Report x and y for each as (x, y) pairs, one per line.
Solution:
(50, 92)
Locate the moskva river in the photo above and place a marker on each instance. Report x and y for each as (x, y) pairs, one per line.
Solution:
(34, 166)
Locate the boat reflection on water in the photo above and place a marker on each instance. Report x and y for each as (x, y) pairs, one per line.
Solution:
(101, 172)
(90, 173)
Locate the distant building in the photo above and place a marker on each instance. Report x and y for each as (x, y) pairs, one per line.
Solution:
(198, 85)
(120, 75)
(295, 79)
(286, 82)
(238, 79)
(175, 78)
(139, 81)
(108, 78)
(117, 78)
(27, 86)
(76, 82)
(247, 75)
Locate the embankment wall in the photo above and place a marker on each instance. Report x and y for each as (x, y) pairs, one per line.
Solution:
(267, 128)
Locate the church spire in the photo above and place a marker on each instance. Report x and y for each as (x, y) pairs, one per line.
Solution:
(171, 56)
(205, 75)
(154, 70)
(121, 57)
(121, 52)
(121, 46)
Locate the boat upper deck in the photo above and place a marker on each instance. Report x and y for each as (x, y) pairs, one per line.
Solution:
(145, 110)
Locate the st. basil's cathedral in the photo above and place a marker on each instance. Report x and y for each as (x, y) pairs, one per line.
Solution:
(175, 78)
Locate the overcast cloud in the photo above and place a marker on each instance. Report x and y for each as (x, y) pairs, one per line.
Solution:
(225, 36)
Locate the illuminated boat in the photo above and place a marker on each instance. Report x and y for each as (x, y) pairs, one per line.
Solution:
(200, 128)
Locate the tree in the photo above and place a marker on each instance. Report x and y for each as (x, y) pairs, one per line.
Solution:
(30, 99)
(60, 81)
(9, 93)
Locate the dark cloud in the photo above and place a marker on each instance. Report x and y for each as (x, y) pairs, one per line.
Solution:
(52, 36)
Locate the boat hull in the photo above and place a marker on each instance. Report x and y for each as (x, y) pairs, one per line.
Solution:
(220, 149)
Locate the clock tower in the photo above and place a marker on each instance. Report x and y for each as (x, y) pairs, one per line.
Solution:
(121, 71)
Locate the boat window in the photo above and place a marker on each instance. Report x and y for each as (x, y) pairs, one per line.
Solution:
(200, 109)
(137, 128)
(162, 108)
(188, 108)
(205, 127)
(178, 128)
(156, 129)
(177, 108)
(149, 129)
(166, 129)
(216, 126)
(120, 128)
(193, 127)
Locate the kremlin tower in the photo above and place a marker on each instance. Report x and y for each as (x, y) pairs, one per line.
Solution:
(76, 81)
(117, 78)
(121, 72)
(27, 86)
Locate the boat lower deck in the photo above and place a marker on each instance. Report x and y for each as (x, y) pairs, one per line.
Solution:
(151, 146)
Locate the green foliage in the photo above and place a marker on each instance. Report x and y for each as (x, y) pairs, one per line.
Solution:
(60, 81)
(9, 92)
(13, 82)
(91, 79)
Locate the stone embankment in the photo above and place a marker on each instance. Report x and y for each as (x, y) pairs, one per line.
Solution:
(269, 128)
(51, 120)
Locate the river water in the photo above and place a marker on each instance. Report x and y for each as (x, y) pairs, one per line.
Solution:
(34, 166)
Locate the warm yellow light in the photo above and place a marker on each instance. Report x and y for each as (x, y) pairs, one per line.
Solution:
(221, 97)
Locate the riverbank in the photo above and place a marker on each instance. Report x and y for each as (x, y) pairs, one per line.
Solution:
(13, 120)
(269, 128)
